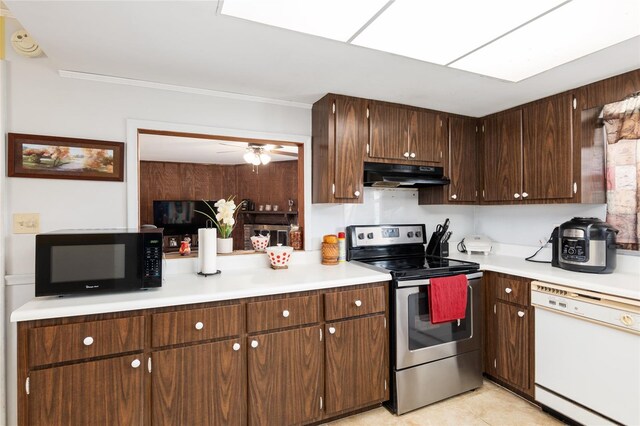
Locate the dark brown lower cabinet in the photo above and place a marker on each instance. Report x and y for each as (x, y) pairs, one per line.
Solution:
(285, 377)
(199, 385)
(356, 363)
(509, 332)
(69, 395)
(512, 352)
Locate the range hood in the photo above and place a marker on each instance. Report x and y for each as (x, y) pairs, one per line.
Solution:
(401, 176)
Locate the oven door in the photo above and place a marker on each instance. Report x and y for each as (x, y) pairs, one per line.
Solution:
(418, 341)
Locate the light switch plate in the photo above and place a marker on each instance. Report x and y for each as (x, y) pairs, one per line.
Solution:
(26, 223)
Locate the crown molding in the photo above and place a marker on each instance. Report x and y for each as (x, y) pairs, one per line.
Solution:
(176, 88)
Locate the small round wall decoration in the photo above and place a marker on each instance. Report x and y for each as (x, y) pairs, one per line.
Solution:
(25, 45)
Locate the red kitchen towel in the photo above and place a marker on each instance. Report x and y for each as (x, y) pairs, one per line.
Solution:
(447, 298)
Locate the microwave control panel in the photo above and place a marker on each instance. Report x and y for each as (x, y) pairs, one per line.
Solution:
(152, 259)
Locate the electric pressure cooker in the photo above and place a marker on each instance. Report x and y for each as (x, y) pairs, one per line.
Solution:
(585, 244)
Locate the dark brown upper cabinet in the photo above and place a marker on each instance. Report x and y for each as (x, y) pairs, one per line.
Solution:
(548, 149)
(460, 165)
(528, 153)
(340, 135)
(502, 156)
(405, 135)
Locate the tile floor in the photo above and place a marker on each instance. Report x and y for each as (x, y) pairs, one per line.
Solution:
(488, 405)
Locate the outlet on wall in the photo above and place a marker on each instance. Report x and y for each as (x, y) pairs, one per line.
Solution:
(26, 223)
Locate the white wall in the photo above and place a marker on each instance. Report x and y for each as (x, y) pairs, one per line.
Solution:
(526, 225)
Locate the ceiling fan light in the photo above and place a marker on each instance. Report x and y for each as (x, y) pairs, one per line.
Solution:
(256, 160)
(249, 157)
(265, 158)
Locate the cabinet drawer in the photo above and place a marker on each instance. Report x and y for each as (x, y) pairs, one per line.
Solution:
(280, 313)
(59, 343)
(344, 304)
(193, 325)
(512, 289)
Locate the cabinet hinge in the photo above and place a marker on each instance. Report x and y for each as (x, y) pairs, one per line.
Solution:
(476, 129)
(320, 403)
(333, 108)
(495, 363)
(483, 194)
(575, 103)
(385, 323)
(333, 188)
(26, 385)
(476, 193)
(440, 123)
(440, 154)
(149, 364)
(367, 148)
(494, 308)
(575, 188)
(367, 112)
(483, 128)
(321, 334)
(385, 384)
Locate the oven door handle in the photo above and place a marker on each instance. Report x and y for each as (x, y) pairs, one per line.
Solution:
(416, 283)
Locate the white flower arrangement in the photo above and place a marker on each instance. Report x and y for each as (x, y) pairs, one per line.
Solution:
(225, 217)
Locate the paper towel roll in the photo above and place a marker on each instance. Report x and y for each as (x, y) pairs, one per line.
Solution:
(207, 250)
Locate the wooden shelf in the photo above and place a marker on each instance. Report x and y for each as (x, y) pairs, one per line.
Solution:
(282, 212)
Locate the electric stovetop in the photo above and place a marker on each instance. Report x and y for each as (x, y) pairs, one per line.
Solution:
(413, 267)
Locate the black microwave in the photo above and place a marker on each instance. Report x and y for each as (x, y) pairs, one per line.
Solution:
(97, 261)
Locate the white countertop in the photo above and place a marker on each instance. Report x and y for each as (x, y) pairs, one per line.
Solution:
(254, 279)
(623, 282)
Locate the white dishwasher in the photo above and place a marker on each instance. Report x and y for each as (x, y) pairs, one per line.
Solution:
(587, 354)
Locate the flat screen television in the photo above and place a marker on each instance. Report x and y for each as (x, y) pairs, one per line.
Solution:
(179, 217)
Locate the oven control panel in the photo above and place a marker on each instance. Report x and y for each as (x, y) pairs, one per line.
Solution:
(385, 235)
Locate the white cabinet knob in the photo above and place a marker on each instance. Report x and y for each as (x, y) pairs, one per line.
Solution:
(332, 330)
(454, 197)
(236, 346)
(199, 325)
(357, 193)
(507, 290)
(88, 341)
(254, 344)
(285, 313)
(520, 314)
(413, 155)
(516, 195)
(525, 195)
(358, 303)
(135, 363)
(406, 155)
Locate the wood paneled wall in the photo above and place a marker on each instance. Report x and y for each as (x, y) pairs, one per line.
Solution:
(275, 183)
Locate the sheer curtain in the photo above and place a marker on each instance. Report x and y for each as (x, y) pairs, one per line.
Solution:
(622, 126)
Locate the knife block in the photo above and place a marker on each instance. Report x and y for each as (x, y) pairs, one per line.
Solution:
(442, 250)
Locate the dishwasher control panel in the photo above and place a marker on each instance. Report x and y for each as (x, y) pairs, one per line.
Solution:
(586, 305)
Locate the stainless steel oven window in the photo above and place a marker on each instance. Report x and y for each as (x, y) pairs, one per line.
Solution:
(406, 357)
(423, 333)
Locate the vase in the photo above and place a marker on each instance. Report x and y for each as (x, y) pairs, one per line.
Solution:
(225, 245)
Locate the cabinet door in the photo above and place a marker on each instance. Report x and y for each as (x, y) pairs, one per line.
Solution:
(350, 147)
(462, 160)
(285, 377)
(512, 351)
(198, 385)
(548, 149)
(503, 156)
(389, 127)
(357, 363)
(425, 137)
(106, 392)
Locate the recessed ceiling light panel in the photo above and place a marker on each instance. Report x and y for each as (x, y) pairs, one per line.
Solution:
(572, 31)
(442, 31)
(334, 19)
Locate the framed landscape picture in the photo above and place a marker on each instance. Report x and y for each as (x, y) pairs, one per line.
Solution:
(52, 157)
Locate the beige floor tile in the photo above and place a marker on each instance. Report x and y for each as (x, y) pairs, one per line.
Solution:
(489, 405)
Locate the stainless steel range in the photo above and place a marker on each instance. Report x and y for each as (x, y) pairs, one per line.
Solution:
(429, 362)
